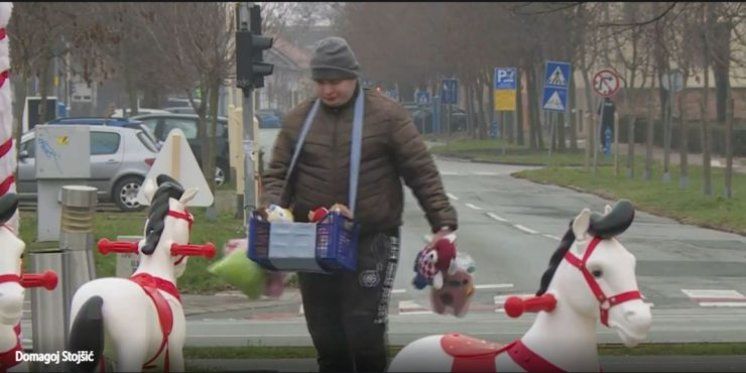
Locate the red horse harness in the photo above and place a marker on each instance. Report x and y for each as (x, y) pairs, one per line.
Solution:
(605, 302)
(151, 285)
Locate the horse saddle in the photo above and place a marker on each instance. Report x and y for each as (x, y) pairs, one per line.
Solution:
(470, 354)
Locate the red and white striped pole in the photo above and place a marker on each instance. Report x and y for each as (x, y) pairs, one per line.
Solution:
(7, 145)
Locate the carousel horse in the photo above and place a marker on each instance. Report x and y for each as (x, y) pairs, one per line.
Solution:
(591, 277)
(140, 321)
(12, 287)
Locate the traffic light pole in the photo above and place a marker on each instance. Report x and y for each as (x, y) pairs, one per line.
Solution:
(249, 188)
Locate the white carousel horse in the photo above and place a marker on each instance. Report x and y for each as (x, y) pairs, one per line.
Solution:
(140, 321)
(12, 287)
(591, 277)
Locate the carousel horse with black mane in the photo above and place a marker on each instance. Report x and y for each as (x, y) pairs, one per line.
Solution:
(591, 277)
(139, 322)
(12, 287)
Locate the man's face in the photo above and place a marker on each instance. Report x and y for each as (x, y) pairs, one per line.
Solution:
(335, 93)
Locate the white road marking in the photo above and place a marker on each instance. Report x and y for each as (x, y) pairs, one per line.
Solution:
(469, 205)
(722, 304)
(398, 291)
(527, 230)
(410, 307)
(497, 217)
(300, 310)
(714, 294)
(552, 237)
(451, 196)
(500, 299)
(494, 286)
(449, 173)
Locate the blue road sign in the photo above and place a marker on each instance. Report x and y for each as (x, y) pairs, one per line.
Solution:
(422, 97)
(505, 78)
(449, 91)
(557, 77)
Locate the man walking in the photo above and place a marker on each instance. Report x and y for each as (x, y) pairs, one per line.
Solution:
(346, 312)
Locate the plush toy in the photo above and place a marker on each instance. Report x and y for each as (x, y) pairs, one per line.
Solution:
(432, 263)
(458, 288)
(319, 214)
(276, 213)
(238, 270)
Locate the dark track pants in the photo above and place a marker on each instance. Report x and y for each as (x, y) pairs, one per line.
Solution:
(347, 312)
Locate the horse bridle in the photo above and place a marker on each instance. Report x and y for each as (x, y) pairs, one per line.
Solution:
(605, 303)
(183, 216)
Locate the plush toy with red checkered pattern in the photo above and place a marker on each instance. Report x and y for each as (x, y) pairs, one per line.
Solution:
(432, 263)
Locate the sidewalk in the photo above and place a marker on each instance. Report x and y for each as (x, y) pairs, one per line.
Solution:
(196, 304)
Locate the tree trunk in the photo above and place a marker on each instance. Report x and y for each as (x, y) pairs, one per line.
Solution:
(683, 142)
(706, 166)
(214, 94)
(729, 150)
(519, 110)
(631, 119)
(573, 117)
(20, 90)
(650, 133)
(481, 127)
(533, 106)
(43, 92)
(131, 91)
(539, 133)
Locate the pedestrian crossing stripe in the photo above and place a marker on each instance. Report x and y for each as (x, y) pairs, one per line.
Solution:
(554, 102)
(557, 78)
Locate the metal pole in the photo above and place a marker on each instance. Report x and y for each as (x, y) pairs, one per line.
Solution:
(249, 194)
(597, 138)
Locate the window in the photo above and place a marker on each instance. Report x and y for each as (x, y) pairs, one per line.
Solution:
(104, 142)
(151, 123)
(147, 141)
(188, 126)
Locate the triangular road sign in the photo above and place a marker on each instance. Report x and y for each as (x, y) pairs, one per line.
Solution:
(554, 102)
(557, 78)
(176, 159)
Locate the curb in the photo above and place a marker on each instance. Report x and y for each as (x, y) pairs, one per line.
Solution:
(244, 304)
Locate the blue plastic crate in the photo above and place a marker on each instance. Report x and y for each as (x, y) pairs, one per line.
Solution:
(335, 249)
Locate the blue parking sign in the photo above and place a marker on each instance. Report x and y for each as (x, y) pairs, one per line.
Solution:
(449, 91)
(505, 78)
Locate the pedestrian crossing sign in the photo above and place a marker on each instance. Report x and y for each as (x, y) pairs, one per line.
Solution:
(557, 74)
(557, 77)
(555, 99)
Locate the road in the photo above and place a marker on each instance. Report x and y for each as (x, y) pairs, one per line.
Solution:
(511, 227)
(693, 277)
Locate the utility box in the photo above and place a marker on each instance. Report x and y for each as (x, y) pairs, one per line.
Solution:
(63, 152)
(63, 155)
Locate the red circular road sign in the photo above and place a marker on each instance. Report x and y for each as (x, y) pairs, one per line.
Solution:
(606, 83)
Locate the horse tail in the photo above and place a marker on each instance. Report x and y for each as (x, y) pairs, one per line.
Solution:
(87, 334)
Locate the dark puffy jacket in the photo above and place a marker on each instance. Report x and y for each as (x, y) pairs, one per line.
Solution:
(392, 148)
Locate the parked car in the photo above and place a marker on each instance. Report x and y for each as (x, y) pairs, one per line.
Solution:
(162, 124)
(120, 159)
(101, 121)
(180, 110)
(269, 118)
(119, 113)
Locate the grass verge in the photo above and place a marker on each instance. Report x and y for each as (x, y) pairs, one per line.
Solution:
(266, 352)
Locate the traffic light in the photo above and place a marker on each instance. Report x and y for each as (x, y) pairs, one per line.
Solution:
(250, 46)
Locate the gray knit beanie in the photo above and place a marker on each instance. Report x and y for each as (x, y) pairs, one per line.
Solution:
(333, 59)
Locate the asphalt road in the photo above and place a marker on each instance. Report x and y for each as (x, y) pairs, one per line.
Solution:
(511, 227)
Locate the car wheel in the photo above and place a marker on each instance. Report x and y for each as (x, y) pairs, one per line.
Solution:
(219, 176)
(125, 193)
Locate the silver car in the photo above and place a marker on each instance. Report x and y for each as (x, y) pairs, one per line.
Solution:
(120, 160)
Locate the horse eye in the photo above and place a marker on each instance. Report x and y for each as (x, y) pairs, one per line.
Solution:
(597, 273)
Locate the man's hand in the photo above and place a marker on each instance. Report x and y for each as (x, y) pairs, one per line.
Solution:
(444, 231)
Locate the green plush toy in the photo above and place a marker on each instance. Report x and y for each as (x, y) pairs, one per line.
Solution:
(237, 270)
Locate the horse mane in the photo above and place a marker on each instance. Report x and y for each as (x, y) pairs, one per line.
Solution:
(604, 226)
(8, 206)
(167, 188)
(556, 259)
